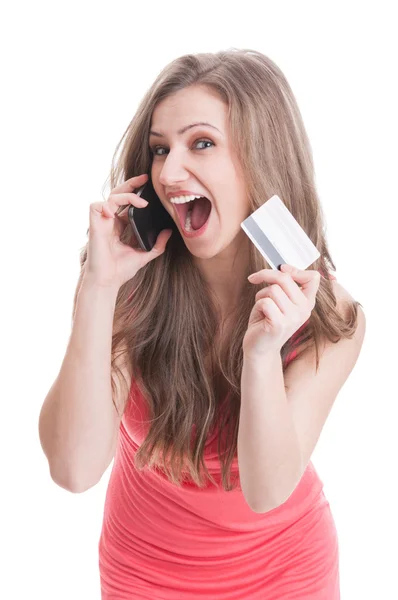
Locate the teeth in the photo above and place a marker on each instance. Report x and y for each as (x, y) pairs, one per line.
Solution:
(183, 199)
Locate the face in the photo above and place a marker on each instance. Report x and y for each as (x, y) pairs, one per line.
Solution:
(199, 160)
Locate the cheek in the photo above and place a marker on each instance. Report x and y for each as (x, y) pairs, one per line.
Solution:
(231, 179)
(235, 200)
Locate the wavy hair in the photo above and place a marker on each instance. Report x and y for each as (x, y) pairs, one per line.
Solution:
(166, 316)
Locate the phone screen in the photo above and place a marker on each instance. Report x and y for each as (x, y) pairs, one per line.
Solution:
(148, 222)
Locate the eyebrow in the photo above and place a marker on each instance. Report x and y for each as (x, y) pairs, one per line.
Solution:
(184, 129)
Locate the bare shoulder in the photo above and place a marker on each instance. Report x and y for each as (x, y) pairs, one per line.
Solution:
(336, 360)
(344, 299)
(342, 295)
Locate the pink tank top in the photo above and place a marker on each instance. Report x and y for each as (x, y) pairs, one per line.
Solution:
(159, 541)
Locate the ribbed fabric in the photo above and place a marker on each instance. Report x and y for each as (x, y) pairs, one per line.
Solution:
(162, 542)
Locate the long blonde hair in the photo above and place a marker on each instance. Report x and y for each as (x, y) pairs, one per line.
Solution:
(166, 316)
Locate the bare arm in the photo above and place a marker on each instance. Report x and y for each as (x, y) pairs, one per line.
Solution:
(78, 423)
(279, 429)
(270, 462)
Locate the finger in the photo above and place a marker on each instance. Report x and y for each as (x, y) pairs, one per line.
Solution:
(285, 281)
(115, 201)
(101, 209)
(159, 246)
(308, 279)
(270, 310)
(130, 184)
(277, 294)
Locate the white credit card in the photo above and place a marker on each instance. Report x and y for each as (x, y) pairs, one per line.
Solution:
(277, 235)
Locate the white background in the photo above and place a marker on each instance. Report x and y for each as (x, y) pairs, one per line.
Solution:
(73, 75)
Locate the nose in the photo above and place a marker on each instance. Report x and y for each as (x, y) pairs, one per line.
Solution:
(173, 171)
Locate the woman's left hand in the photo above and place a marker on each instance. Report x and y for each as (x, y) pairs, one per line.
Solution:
(280, 309)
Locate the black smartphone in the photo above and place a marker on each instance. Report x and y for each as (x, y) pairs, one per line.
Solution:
(149, 221)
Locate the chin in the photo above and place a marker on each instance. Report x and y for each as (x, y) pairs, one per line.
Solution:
(204, 253)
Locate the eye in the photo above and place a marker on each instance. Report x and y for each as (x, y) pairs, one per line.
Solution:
(204, 142)
(154, 149)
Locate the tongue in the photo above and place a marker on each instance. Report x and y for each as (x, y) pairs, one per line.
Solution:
(200, 212)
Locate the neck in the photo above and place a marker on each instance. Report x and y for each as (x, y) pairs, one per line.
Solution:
(226, 274)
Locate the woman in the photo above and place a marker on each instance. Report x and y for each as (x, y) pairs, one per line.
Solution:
(209, 390)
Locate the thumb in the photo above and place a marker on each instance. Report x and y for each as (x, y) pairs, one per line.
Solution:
(161, 242)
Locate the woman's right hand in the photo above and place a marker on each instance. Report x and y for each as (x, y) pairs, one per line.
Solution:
(111, 263)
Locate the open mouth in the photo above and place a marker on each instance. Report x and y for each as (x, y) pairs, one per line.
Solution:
(193, 215)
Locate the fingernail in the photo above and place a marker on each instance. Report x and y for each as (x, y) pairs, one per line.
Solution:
(252, 276)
